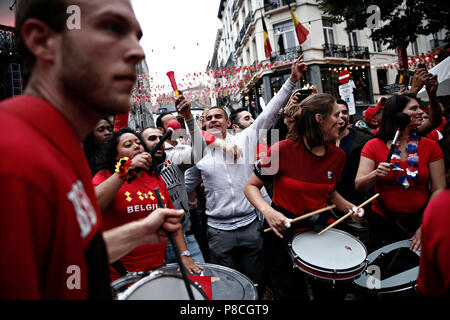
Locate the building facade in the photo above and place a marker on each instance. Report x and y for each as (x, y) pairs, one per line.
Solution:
(11, 82)
(328, 50)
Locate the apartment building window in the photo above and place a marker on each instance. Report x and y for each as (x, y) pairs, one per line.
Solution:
(352, 39)
(414, 48)
(286, 32)
(377, 46)
(328, 31)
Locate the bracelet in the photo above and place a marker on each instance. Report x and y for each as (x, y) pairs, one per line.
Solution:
(125, 170)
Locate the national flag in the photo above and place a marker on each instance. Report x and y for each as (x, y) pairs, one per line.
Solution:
(300, 30)
(281, 44)
(267, 46)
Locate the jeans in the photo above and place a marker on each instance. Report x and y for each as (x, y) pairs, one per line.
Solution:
(192, 246)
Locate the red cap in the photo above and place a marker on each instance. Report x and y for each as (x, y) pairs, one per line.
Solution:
(372, 111)
(174, 125)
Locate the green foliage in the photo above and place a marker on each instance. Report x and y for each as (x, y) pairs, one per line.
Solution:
(402, 20)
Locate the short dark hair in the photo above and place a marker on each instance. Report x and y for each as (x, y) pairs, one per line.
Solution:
(341, 101)
(234, 115)
(220, 108)
(159, 119)
(392, 107)
(107, 158)
(51, 12)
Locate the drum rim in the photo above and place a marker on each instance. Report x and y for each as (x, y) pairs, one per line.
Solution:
(362, 265)
(392, 289)
(217, 266)
(155, 275)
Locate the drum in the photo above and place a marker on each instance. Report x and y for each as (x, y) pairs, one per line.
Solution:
(333, 256)
(215, 282)
(158, 286)
(392, 271)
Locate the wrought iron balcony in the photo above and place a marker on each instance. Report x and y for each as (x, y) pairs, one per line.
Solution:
(289, 54)
(355, 52)
(334, 50)
(7, 39)
(248, 20)
(274, 4)
(341, 51)
(436, 43)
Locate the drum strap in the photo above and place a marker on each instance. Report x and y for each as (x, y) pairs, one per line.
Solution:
(118, 266)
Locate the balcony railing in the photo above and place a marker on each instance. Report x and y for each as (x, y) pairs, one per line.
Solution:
(248, 20)
(355, 52)
(289, 54)
(274, 4)
(334, 50)
(341, 51)
(7, 39)
(436, 43)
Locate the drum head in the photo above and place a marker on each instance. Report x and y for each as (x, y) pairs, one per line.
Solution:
(334, 250)
(161, 287)
(226, 283)
(391, 268)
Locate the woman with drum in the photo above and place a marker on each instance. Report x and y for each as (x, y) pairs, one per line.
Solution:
(125, 191)
(413, 176)
(305, 169)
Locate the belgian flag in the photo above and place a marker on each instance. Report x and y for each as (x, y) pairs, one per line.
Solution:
(267, 46)
(300, 30)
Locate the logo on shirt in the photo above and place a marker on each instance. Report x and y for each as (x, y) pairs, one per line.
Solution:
(330, 175)
(86, 215)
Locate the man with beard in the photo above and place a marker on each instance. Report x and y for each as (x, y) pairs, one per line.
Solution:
(51, 243)
(240, 119)
(234, 230)
(351, 141)
(171, 162)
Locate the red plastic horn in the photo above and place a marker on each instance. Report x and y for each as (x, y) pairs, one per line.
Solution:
(171, 76)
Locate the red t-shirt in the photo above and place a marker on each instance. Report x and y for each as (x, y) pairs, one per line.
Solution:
(434, 271)
(435, 135)
(303, 180)
(132, 202)
(50, 241)
(405, 204)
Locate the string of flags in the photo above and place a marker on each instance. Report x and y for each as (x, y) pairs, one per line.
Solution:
(217, 83)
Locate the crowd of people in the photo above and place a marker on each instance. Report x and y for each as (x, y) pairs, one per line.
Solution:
(80, 216)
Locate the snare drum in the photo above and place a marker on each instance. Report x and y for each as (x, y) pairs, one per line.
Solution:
(166, 283)
(160, 286)
(392, 271)
(333, 256)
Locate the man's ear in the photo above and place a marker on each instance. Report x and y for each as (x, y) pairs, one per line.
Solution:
(40, 39)
(234, 127)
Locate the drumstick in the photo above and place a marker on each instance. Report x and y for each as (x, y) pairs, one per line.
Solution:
(308, 215)
(175, 248)
(348, 214)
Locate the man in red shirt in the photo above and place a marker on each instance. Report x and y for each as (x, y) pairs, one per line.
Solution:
(434, 271)
(51, 246)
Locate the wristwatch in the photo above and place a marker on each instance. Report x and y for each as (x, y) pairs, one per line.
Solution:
(186, 253)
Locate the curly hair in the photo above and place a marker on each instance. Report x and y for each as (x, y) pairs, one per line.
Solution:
(108, 156)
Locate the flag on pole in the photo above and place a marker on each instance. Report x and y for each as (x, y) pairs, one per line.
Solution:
(300, 30)
(267, 46)
(281, 44)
